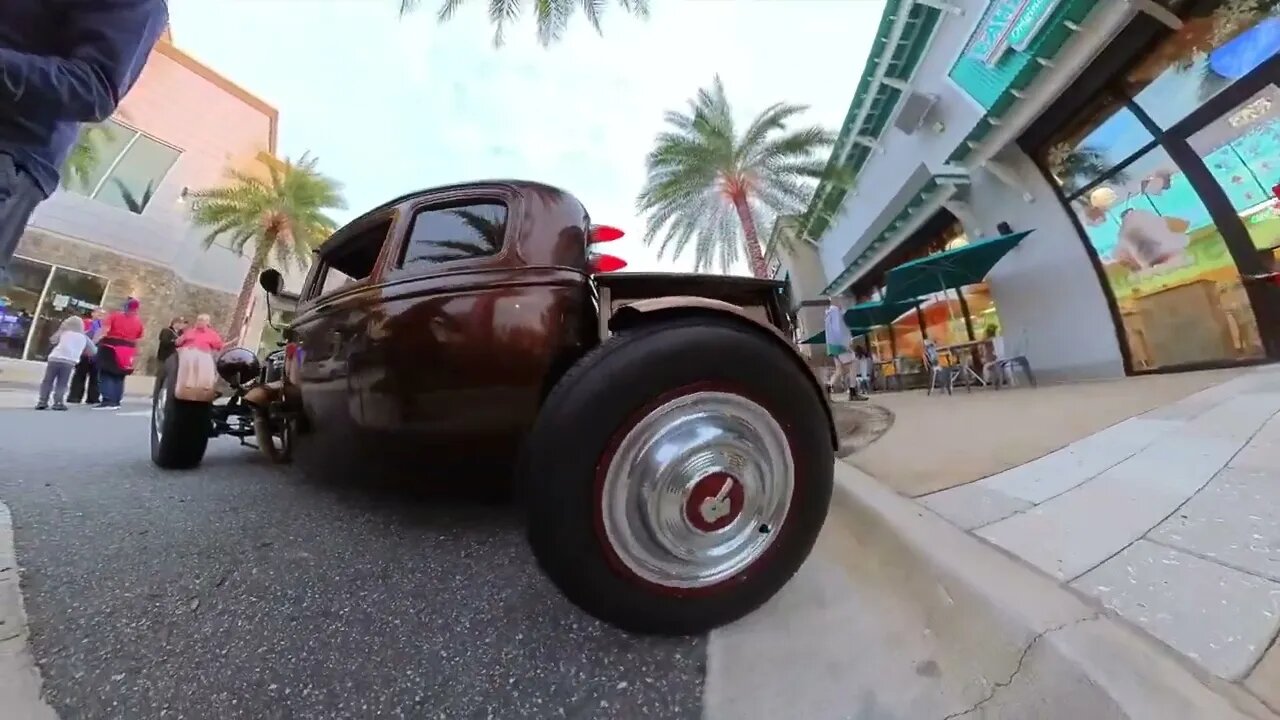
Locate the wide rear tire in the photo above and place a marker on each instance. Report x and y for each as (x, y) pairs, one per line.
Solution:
(179, 429)
(678, 475)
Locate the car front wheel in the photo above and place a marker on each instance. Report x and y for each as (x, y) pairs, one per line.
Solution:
(179, 429)
(678, 475)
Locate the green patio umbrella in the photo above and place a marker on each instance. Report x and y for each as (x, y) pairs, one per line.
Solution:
(876, 313)
(820, 337)
(966, 265)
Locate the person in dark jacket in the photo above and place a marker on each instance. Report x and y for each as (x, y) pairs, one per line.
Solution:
(61, 64)
(169, 340)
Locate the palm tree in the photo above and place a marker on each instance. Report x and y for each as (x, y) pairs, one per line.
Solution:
(709, 186)
(1075, 167)
(85, 155)
(278, 212)
(552, 15)
(131, 201)
(490, 233)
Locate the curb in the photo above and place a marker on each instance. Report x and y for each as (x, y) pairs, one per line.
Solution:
(1074, 658)
(19, 675)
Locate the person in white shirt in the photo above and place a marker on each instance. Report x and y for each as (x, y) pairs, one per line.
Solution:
(839, 344)
(70, 344)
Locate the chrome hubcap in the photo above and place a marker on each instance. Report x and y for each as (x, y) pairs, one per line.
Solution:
(157, 412)
(698, 490)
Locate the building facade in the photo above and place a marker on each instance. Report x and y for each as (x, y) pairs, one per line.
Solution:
(1139, 141)
(120, 227)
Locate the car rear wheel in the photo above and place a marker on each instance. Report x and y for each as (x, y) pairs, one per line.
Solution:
(678, 475)
(179, 429)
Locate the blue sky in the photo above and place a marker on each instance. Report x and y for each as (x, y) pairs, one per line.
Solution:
(393, 105)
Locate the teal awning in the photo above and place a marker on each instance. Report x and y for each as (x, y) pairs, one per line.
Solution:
(876, 313)
(965, 265)
(820, 338)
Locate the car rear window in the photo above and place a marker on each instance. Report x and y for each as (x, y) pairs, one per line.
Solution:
(460, 232)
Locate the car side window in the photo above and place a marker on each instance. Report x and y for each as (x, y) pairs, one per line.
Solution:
(335, 279)
(354, 260)
(441, 235)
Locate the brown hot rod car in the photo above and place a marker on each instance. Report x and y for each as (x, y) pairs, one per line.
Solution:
(672, 450)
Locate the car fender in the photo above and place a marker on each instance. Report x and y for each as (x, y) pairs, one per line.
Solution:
(639, 311)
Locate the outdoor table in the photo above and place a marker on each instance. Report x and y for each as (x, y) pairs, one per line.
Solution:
(963, 354)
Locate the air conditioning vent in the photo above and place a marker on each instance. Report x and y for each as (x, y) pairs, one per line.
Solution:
(915, 110)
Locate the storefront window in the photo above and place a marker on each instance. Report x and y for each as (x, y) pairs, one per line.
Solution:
(1110, 136)
(1178, 291)
(118, 165)
(39, 298)
(1171, 268)
(1220, 42)
(19, 301)
(70, 292)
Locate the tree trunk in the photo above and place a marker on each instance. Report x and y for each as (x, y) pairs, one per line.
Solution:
(751, 238)
(246, 290)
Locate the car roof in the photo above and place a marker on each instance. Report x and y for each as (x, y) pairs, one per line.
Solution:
(520, 186)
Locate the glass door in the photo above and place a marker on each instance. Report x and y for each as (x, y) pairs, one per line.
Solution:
(19, 302)
(70, 293)
(1240, 150)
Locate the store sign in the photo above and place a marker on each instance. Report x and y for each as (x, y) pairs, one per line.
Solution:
(1009, 24)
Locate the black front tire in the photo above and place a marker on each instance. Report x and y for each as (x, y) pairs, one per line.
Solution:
(179, 429)
(577, 432)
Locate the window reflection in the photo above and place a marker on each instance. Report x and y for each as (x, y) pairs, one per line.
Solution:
(459, 233)
(19, 301)
(1110, 135)
(1220, 42)
(117, 165)
(1242, 150)
(1176, 285)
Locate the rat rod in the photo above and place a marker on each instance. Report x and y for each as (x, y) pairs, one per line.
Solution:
(672, 450)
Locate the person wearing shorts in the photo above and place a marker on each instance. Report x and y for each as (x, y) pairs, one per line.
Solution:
(840, 348)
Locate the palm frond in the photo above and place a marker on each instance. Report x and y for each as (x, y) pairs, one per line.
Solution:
(551, 16)
(708, 188)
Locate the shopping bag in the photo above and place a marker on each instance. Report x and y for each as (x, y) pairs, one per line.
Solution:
(197, 376)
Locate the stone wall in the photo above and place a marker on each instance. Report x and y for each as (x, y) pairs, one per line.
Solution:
(163, 294)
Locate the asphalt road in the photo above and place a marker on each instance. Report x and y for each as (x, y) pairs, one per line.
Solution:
(246, 590)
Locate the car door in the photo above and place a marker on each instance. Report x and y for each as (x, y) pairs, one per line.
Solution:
(462, 339)
(329, 328)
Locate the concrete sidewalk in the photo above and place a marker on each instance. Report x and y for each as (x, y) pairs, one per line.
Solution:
(25, 375)
(900, 615)
(941, 441)
(1170, 519)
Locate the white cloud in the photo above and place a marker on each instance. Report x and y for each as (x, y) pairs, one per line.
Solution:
(392, 105)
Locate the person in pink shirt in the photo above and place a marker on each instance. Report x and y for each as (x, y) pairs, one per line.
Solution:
(201, 336)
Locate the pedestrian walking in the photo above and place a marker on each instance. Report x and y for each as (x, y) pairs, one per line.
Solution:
(70, 344)
(61, 64)
(117, 350)
(84, 381)
(839, 348)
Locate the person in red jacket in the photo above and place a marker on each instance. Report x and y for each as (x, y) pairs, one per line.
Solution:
(117, 351)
